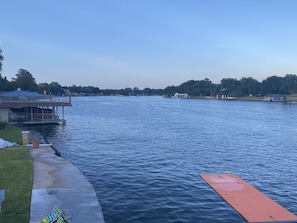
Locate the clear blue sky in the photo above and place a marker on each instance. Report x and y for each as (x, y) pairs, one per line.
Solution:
(147, 43)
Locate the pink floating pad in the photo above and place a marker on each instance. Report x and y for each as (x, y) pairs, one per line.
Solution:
(253, 205)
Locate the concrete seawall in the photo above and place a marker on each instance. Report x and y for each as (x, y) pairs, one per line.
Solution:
(58, 181)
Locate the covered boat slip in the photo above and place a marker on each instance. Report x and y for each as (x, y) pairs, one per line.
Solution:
(36, 115)
(250, 203)
(32, 108)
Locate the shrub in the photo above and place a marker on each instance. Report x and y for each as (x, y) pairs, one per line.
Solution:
(2, 125)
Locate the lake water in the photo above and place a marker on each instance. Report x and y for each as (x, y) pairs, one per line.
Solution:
(144, 154)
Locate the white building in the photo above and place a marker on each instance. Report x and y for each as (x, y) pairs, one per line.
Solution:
(178, 95)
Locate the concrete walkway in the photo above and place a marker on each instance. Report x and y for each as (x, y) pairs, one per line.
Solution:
(58, 181)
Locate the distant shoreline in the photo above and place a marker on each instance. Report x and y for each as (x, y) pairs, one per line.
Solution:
(289, 98)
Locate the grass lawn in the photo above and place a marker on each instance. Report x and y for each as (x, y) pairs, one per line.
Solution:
(12, 134)
(16, 172)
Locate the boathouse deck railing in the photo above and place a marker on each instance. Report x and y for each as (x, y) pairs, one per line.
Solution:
(33, 99)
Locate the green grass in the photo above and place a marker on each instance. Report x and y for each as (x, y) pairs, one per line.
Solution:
(12, 134)
(16, 173)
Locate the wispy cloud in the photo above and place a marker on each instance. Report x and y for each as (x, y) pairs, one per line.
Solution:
(104, 59)
(221, 45)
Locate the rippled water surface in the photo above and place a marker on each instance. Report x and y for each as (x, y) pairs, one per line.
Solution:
(144, 154)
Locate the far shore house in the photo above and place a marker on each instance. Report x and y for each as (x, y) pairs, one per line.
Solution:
(223, 94)
(178, 95)
(31, 107)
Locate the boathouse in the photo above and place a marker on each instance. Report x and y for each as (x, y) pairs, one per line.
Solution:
(223, 94)
(178, 95)
(32, 108)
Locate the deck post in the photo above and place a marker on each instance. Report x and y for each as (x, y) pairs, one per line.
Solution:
(42, 114)
(31, 114)
(63, 112)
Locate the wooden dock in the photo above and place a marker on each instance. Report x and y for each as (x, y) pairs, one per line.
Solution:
(250, 203)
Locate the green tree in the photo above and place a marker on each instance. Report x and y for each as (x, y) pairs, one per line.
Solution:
(43, 88)
(204, 87)
(273, 85)
(53, 88)
(5, 85)
(1, 59)
(74, 89)
(170, 90)
(147, 91)
(232, 85)
(90, 90)
(136, 91)
(187, 87)
(289, 84)
(197, 88)
(25, 81)
(249, 86)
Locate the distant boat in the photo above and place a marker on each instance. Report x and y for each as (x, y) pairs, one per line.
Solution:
(275, 97)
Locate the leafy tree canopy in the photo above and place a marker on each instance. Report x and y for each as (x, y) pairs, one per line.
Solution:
(25, 81)
(1, 59)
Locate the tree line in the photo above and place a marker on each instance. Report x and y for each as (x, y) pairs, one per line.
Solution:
(25, 81)
(246, 86)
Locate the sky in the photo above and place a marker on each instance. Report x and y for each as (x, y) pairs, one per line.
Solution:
(114, 44)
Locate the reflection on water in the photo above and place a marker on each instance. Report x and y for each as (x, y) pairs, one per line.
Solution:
(144, 154)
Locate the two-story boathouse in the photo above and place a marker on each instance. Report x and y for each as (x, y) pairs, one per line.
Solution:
(32, 108)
